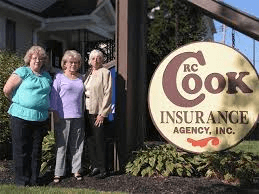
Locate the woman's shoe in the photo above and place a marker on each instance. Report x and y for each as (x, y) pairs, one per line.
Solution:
(95, 172)
(57, 179)
(78, 176)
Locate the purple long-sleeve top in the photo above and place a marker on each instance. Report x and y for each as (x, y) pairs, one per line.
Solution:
(67, 96)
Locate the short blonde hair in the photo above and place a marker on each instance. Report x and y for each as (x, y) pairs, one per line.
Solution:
(71, 53)
(95, 53)
(39, 51)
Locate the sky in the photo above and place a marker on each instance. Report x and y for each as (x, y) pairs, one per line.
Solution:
(243, 43)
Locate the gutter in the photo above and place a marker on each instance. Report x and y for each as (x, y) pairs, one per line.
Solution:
(25, 13)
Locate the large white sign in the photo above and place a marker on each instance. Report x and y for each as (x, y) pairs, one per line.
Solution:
(204, 96)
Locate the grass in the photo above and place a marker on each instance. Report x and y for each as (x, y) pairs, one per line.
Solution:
(6, 189)
(247, 146)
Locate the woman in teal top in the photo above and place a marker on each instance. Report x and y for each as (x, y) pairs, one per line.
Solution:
(31, 100)
(28, 88)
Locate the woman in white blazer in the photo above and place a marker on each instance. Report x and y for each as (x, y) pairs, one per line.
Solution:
(98, 98)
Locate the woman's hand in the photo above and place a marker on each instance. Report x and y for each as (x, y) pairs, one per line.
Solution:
(12, 83)
(99, 121)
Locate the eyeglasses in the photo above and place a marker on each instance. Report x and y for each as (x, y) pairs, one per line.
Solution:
(35, 58)
(71, 62)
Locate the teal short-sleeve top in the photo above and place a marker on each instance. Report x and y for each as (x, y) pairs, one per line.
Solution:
(30, 100)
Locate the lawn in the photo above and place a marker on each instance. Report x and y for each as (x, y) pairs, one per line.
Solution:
(247, 146)
(40, 190)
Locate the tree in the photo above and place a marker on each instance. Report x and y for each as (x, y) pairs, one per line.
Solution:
(171, 23)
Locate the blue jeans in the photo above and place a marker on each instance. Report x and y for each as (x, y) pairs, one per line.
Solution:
(27, 137)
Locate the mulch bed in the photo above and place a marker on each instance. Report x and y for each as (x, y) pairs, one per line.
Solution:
(132, 184)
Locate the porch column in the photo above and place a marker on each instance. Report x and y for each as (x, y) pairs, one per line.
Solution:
(131, 97)
(35, 37)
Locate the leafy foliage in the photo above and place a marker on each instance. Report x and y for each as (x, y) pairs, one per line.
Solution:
(229, 166)
(48, 152)
(165, 160)
(8, 63)
(160, 160)
(170, 25)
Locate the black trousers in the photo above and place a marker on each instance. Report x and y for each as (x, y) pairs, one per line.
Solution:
(27, 137)
(96, 143)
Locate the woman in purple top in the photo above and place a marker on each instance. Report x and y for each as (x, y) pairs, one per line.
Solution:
(66, 103)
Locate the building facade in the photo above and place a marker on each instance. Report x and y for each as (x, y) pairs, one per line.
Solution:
(58, 25)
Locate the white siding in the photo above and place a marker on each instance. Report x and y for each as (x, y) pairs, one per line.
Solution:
(210, 28)
(24, 30)
(23, 37)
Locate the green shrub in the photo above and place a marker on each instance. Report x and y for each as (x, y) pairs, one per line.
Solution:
(48, 152)
(229, 166)
(161, 160)
(165, 160)
(8, 63)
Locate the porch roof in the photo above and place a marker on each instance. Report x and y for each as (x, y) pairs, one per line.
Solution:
(35, 6)
(97, 16)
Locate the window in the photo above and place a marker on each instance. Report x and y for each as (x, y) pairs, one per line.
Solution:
(10, 37)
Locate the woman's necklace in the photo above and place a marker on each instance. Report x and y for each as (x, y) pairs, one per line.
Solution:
(36, 73)
(71, 76)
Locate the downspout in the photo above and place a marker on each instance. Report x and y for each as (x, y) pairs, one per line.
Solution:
(35, 33)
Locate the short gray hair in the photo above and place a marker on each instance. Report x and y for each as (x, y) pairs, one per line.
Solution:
(95, 53)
